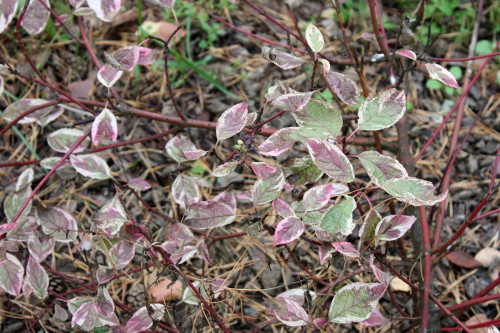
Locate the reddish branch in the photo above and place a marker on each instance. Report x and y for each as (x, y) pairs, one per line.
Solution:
(427, 268)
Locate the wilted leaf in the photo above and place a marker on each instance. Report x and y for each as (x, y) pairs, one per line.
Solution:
(413, 191)
(288, 311)
(232, 121)
(344, 87)
(355, 302)
(104, 127)
(288, 230)
(330, 159)
(63, 139)
(281, 59)
(437, 72)
(487, 256)
(382, 110)
(11, 275)
(36, 17)
(338, 218)
(314, 38)
(381, 168)
(462, 259)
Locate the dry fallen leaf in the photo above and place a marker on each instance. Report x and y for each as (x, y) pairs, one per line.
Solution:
(163, 30)
(488, 256)
(462, 259)
(163, 292)
(399, 285)
(478, 319)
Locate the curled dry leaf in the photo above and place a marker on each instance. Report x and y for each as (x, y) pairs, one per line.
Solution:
(462, 259)
(166, 290)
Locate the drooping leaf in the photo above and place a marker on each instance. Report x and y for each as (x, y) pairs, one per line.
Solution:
(36, 17)
(326, 65)
(407, 53)
(301, 170)
(437, 72)
(317, 197)
(181, 149)
(288, 230)
(281, 59)
(344, 87)
(7, 11)
(293, 102)
(108, 75)
(91, 165)
(124, 59)
(42, 116)
(338, 218)
(325, 251)
(211, 214)
(282, 208)
(185, 191)
(63, 139)
(382, 110)
(142, 320)
(40, 245)
(330, 159)
(138, 184)
(381, 168)
(25, 179)
(232, 121)
(413, 191)
(86, 316)
(15, 201)
(104, 127)
(355, 302)
(288, 311)
(320, 116)
(376, 319)
(59, 224)
(297, 295)
(265, 190)
(382, 276)
(314, 38)
(37, 278)
(11, 275)
(105, 10)
(225, 169)
(346, 248)
(394, 226)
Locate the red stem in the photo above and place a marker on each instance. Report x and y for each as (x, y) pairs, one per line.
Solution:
(427, 269)
(485, 324)
(466, 59)
(131, 142)
(474, 301)
(10, 164)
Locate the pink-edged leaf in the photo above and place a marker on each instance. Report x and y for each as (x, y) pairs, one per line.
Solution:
(105, 10)
(209, 214)
(37, 278)
(15, 201)
(104, 127)
(63, 139)
(437, 72)
(288, 312)
(413, 191)
(317, 197)
(325, 251)
(121, 254)
(346, 248)
(104, 274)
(282, 208)
(382, 110)
(75, 303)
(40, 245)
(25, 179)
(344, 87)
(203, 252)
(355, 302)
(265, 190)
(181, 232)
(314, 38)
(338, 218)
(179, 252)
(381, 168)
(50, 162)
(293, 102)
(124, 59)
(376, 319)
(42, 116)
(330, 159)
(7, 11)
(36, 17)
(146, 56)
(394, 226)
(107, 217)
(24, 228)
(86, 316)
(185, 191)
(279, 142)
(225, 169)
(181, 149)
(142, 320)
(407, 53)
(59, 224)
(104, 302)
(91, 165)
(262, 169)
(11, 275)
(167, 3)
(288, 230)
(297, 295)
(108, 75)
(232, 121)
(138, 184)
(281, 59)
